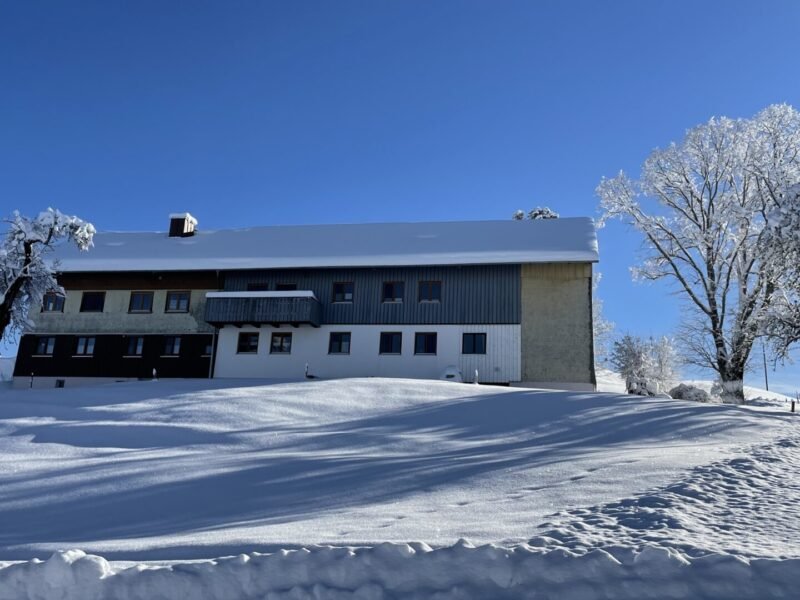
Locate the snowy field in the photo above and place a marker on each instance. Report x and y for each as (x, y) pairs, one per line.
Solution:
(363, 488)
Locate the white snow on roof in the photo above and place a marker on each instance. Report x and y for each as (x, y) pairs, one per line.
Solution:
(360, 245)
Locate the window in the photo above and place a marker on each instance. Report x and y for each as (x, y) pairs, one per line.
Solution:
(339, 343)
(84, 346)
(177, 302)
(281, 343)
(207, 349)
(248, 343)
(141, 302)
(473, 343)
(391, 342)
(425, 343)
(52, 302)
(392, 291)
(135, 345)
(343, 291)
(257, 287)
(93, 301)
(430, 291)
(285, 287)
(172, 345)
(60, 383)
(45, 346)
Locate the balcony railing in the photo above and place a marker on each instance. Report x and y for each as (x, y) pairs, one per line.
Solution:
(259, 308)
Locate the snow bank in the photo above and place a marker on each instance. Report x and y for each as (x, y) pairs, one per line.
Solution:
(409, 571)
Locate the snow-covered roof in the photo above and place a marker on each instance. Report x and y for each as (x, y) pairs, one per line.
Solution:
(361, 245)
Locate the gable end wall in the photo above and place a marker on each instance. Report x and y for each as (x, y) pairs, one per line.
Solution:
(557, 340)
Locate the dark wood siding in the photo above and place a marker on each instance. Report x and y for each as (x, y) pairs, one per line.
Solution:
(488, 294)
(108, 359)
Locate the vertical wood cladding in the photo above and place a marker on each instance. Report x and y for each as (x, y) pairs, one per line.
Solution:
(487, 294)
(108, 359)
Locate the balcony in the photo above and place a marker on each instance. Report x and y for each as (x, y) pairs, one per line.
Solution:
(262, 308)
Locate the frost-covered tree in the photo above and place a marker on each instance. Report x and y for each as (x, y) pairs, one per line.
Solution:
(540, 212)
(630, 357)
(652, 361)
(782, 245)
(701, 207)
(602, 328)
(25, 274)
(663, 362)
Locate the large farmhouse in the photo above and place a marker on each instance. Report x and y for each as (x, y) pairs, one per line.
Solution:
(506, 301)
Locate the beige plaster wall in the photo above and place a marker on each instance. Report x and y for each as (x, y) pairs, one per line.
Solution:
(115, 317)
(557, 342)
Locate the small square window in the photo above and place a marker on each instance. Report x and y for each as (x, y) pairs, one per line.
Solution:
(135, 346)
(430, 291)
(172, 345)
(45, 346)
(84, 346)
(281, 343)
(248, 343)
(339, 343)
(391, 342)
(425, 343)
(141, 302)
(393, 291)
(52, 302)
(285, 287)
(343, 291)
(177, 302)
(473, 343)
(93, 301)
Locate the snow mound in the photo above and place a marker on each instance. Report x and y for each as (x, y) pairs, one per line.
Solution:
(409, 571)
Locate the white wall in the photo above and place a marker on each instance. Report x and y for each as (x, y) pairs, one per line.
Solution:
(500, 364)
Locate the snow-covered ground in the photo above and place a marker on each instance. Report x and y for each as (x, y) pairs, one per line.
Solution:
(587, 495)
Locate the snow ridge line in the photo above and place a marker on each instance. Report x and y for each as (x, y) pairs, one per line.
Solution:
(410, 571)
(731, 506)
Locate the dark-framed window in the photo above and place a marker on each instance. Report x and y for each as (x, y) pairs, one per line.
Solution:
(281, 343)
(52, 302)
(342, 291)
(393, 291)
(339, 342)
(425, 343)
(84, 346)
(135, 346)
(473, 343)
(285, 287)
(45, 345)
(430, 291)
(172, 345)
(141, 302)
(177, 302)
(93, 301)
(257, 287)
(391, 342)
(248, 343)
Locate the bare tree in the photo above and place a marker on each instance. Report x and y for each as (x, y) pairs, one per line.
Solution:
(25, 274)
(701, 207)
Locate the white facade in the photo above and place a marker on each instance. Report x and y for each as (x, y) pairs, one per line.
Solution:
(500, 364)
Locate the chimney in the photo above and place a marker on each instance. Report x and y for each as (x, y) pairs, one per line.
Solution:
(181, 225)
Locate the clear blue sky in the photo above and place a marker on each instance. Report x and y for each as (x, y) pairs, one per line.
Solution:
(314, 112)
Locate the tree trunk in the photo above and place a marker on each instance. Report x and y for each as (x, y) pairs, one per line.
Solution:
(732, 380)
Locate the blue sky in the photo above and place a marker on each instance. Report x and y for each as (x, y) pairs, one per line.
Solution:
(250, 113)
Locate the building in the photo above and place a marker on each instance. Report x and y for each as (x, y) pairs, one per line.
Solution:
(510, 300)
